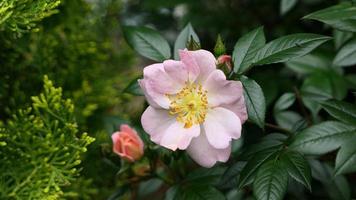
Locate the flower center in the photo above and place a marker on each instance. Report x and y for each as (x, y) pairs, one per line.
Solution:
(189, 105)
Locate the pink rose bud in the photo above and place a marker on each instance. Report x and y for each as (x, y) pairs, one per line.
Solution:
(225, 60)
(127, 143)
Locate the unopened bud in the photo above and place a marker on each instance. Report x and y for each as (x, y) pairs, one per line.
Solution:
(224, 62)
(219, 48)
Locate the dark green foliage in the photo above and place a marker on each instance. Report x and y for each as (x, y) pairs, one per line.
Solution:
(288, 47)
(336, 187)
(340, 16)
(148, 43)
(323, 138)
(253, 164)
(255, 101)
(284, 117)
(198, 185)
(346, 158)
(346, 55)
(297, 167)
(271, 181)
(342, 111)
(43, 148)
(246, 48)
(183, 38)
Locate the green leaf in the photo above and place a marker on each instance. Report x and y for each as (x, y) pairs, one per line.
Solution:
(287, 5)
(255, 101)
(342, 111)
(271, 181)
(272, 140)
(147, 42)
(322, 138)
(322, 86)
(134, 88)
(299, 126)
(199, 192)
(204, 176)
(199, 185)
(297, 167)
(284, 102)
(288, 47)
(337, 83)
(316, 88)
(287, 119)
(148, 187)
(246, 48)
(337, 187)
(310, 63)
(183, 38)
(346, 158)
(231, 175)
(171, 193)
(346, 55)
(340, 37)
(252, 165)
(342, 16)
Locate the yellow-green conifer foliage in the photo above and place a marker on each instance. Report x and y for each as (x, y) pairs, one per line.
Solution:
(41, 148)
(19, 16)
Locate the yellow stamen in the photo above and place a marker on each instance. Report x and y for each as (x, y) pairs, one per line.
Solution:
(189, 105)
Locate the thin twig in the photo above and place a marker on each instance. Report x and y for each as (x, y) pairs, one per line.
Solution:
(301, 105)
(277, 128)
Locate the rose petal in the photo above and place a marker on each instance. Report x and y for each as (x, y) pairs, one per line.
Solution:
(155, 121)
(159, 80)
(116, 144)
(126, 129)
(205, 154)
(154, 98)
(156, 84)
(149, 97)
(165, 130)
(191, 64)
(206, 62)
(133, 135)
(178, 137)
(239, 108)
(220, 90)
(221, 126)
(177, 71)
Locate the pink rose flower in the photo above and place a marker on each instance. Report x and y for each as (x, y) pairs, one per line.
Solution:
(193, 107)
(127, 144)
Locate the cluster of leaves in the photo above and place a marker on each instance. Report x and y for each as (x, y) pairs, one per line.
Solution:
(278, 156)
(42, 148)
(304, 133)
(20, 16)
